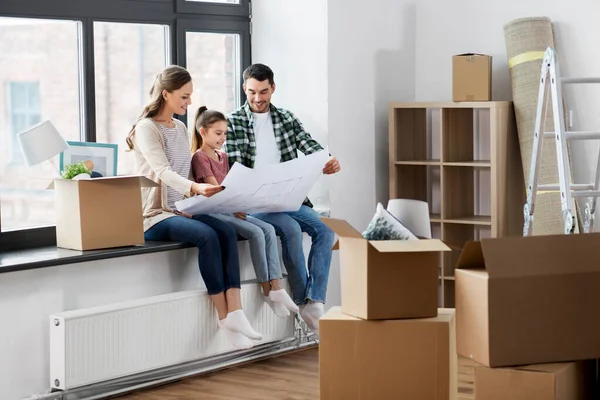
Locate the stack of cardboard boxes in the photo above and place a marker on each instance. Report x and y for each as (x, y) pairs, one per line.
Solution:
(388, 340)
(526, 311)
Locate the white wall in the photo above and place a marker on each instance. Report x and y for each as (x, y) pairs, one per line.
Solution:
(337, 64)
(371, 62)
(28, 297)
(291, 38)
(445, 28)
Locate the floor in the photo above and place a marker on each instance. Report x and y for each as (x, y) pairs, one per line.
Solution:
(290, 377)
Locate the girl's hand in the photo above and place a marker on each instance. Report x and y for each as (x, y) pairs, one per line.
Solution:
(205, 189)
(240, 215)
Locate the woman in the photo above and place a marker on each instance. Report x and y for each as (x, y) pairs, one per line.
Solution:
(161, 147)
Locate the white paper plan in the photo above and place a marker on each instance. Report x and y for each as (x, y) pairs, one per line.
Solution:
(271, 188)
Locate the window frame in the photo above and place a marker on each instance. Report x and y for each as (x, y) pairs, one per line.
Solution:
(180, 16)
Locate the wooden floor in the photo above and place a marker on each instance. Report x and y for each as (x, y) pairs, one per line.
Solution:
(290, 377)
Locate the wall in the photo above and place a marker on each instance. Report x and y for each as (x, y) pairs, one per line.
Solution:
(371, 62)
(337, 65)
(298, 57)
(446, 28)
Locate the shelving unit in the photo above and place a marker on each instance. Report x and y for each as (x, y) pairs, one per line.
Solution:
(464, 160)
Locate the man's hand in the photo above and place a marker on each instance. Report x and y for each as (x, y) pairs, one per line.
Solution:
(332, 166)
(241, 215)
(206, 189)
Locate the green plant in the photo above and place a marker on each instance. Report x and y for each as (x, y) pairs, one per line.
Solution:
(72, 170)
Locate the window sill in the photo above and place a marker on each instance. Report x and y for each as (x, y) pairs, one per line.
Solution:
(50, 256)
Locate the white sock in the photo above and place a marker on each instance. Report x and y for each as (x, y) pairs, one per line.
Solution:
(238, 340)
(237, 322)
(281, 296)
(278, 308)
(310, 313)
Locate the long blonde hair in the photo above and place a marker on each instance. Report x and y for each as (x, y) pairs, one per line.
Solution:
(204, 119)
(171, 78)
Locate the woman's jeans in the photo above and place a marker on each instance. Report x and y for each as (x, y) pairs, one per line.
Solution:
(289, 226)
(263, 245)
(217, 246)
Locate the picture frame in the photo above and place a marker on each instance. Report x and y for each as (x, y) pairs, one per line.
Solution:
(102, 155)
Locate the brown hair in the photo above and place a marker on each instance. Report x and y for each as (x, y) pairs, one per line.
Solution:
(170, 79)
(204, 119)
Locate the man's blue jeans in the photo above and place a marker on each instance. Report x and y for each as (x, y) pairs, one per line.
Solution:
(217, 245)
(289, 227)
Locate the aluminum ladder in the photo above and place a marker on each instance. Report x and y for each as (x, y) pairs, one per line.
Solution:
(551, 84)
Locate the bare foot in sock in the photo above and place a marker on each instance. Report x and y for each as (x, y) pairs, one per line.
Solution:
(237, 322)
(238, 340)
(310, 313)
(282, 297)
(278, 308)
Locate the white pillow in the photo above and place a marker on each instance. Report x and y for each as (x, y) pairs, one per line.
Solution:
(384, 226)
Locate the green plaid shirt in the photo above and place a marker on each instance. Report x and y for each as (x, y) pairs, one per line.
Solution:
(289, 133)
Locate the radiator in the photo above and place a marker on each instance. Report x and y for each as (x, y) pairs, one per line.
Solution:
(98, 344)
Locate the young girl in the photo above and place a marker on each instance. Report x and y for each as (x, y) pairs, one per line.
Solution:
(161, 147)
(210, 165)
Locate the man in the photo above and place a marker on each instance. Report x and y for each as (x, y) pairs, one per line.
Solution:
(260, 134)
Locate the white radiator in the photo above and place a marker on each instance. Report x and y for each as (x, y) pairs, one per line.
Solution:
(103, 343)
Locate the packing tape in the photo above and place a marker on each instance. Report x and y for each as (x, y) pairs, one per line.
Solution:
(526, 57)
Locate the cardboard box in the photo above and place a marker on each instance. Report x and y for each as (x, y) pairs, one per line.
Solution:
(387, 279)
(561, 381)
(99, 213)
(471, 77)
(392, 359)
(529, 300)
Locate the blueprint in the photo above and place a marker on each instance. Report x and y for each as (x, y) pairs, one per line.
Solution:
(272, 188)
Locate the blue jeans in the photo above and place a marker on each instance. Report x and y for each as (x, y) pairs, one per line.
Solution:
(289, 227)
(263, 245)
(217, 247)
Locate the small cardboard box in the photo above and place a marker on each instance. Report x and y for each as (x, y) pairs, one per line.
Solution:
(471, 77)
(393, 359)
(99, 213)
(560, 381)
(529, 300)
(387, 279)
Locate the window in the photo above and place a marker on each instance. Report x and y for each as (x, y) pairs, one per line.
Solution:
(216, 1)
(24, 111)
(88, 69)
(41, 70)
(127, 58)
(213, 62)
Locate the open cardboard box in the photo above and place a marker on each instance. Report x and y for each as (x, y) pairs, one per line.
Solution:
(529, 300)
(387, 279)
(99, 213)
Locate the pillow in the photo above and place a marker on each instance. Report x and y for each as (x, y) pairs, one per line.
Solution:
(384, 226)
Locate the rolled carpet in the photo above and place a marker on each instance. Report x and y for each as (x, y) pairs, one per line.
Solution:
(526, 41)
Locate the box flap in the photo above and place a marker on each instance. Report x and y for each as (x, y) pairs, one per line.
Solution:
(534, 255)
(408, 246)
(342, 228)
(471, 256)
(546, 368)
(143, 181)
(471, 54)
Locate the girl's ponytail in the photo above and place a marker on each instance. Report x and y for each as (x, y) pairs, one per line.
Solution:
(196, 138)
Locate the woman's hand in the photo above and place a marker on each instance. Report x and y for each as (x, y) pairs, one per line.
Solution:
(205, 189)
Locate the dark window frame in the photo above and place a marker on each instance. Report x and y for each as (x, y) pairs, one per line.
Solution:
(180, 15)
